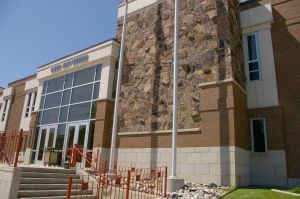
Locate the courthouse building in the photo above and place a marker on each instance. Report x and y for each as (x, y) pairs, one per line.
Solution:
(238, 93)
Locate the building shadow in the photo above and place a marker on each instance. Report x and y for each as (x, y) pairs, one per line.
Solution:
(160, 46)
(222, 33)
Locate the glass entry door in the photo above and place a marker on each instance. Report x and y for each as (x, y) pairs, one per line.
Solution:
(77, 133)
(46, 139)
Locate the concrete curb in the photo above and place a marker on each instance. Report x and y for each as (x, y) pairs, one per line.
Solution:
(229, 192)
(286, 192)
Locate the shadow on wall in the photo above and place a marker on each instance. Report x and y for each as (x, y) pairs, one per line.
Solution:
(228, 38)
(160, 46)
(286, 47)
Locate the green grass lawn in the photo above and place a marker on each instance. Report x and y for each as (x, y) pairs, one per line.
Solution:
(257, 193)
(294, 190)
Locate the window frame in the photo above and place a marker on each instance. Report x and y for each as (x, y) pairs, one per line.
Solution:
(30, 103)
(69, 104)
(4, 110)
(265, 133)
(257, 60)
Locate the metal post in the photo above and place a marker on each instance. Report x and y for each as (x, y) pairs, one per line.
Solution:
(165, 182)
(19, 145)
(173, 182)
(128, 184)
(68, 194)
(119, 80)
(175, 72)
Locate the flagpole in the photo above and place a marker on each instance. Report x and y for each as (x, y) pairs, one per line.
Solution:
(118, 89)
(173, 182)
(175, 72)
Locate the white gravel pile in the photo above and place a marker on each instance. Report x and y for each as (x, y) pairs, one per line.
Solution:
(200, 191)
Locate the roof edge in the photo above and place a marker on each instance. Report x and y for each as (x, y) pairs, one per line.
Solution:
(92, 46)
(18, 80)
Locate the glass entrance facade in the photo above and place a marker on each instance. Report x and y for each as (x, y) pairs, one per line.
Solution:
(70, 99)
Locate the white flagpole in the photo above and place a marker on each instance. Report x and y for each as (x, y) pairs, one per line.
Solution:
(175, 72)
(117, 98)
(174, 183)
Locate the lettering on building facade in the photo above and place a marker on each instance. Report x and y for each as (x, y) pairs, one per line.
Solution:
(70, 63)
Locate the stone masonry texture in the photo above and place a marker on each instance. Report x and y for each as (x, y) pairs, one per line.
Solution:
(210, 50)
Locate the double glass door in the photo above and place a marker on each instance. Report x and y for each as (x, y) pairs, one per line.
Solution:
(77, 133)
(46, 140)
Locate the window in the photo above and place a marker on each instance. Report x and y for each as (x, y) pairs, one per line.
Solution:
(50, 116)
(63, 114)
(30, 103)
(79, 112)
(252, 58)
(4, 110)
(27, 107)
(34, 101)
(96, 90)
(258, 132)
(53, 100)
(68, 80)
(66, 97)
(82, 93)
(55, 84)
(70, 97)
(84, 76)
(244, 1)
(60, 137)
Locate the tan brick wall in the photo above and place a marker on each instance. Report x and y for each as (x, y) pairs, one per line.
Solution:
(285, 37)
(103, 124)
(242, 133)
(16, 108)
(275, 125)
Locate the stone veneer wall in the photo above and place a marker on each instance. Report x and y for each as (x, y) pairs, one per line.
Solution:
(196, 164)
(207, 164)
(210, 50)
(9, 182)
(268, 168)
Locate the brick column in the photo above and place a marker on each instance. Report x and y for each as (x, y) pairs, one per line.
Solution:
(103, 126)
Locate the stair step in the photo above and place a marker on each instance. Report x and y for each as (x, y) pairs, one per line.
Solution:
(48, 170)
(48, 175)
(46, 186)
(46, 193)
(47, 181)
(62, 197)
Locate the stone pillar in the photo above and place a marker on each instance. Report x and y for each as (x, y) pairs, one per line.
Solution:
(10, 181)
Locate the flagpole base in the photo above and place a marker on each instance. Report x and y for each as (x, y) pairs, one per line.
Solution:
(174, 183)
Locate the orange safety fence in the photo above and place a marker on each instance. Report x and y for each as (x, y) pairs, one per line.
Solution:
(127, 183)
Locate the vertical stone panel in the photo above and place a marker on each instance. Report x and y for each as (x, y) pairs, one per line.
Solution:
(210, 42)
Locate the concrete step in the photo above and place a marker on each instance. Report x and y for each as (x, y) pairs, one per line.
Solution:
(48, 175)
(47, 170)
(62, 197)
(46, 186)
(47, 181)
(47, 193)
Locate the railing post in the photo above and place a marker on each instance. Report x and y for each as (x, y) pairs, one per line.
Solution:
(97, 159)
(165, 181)
(73, 157)
(68, 194)
(19, 145)
(128, 184)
